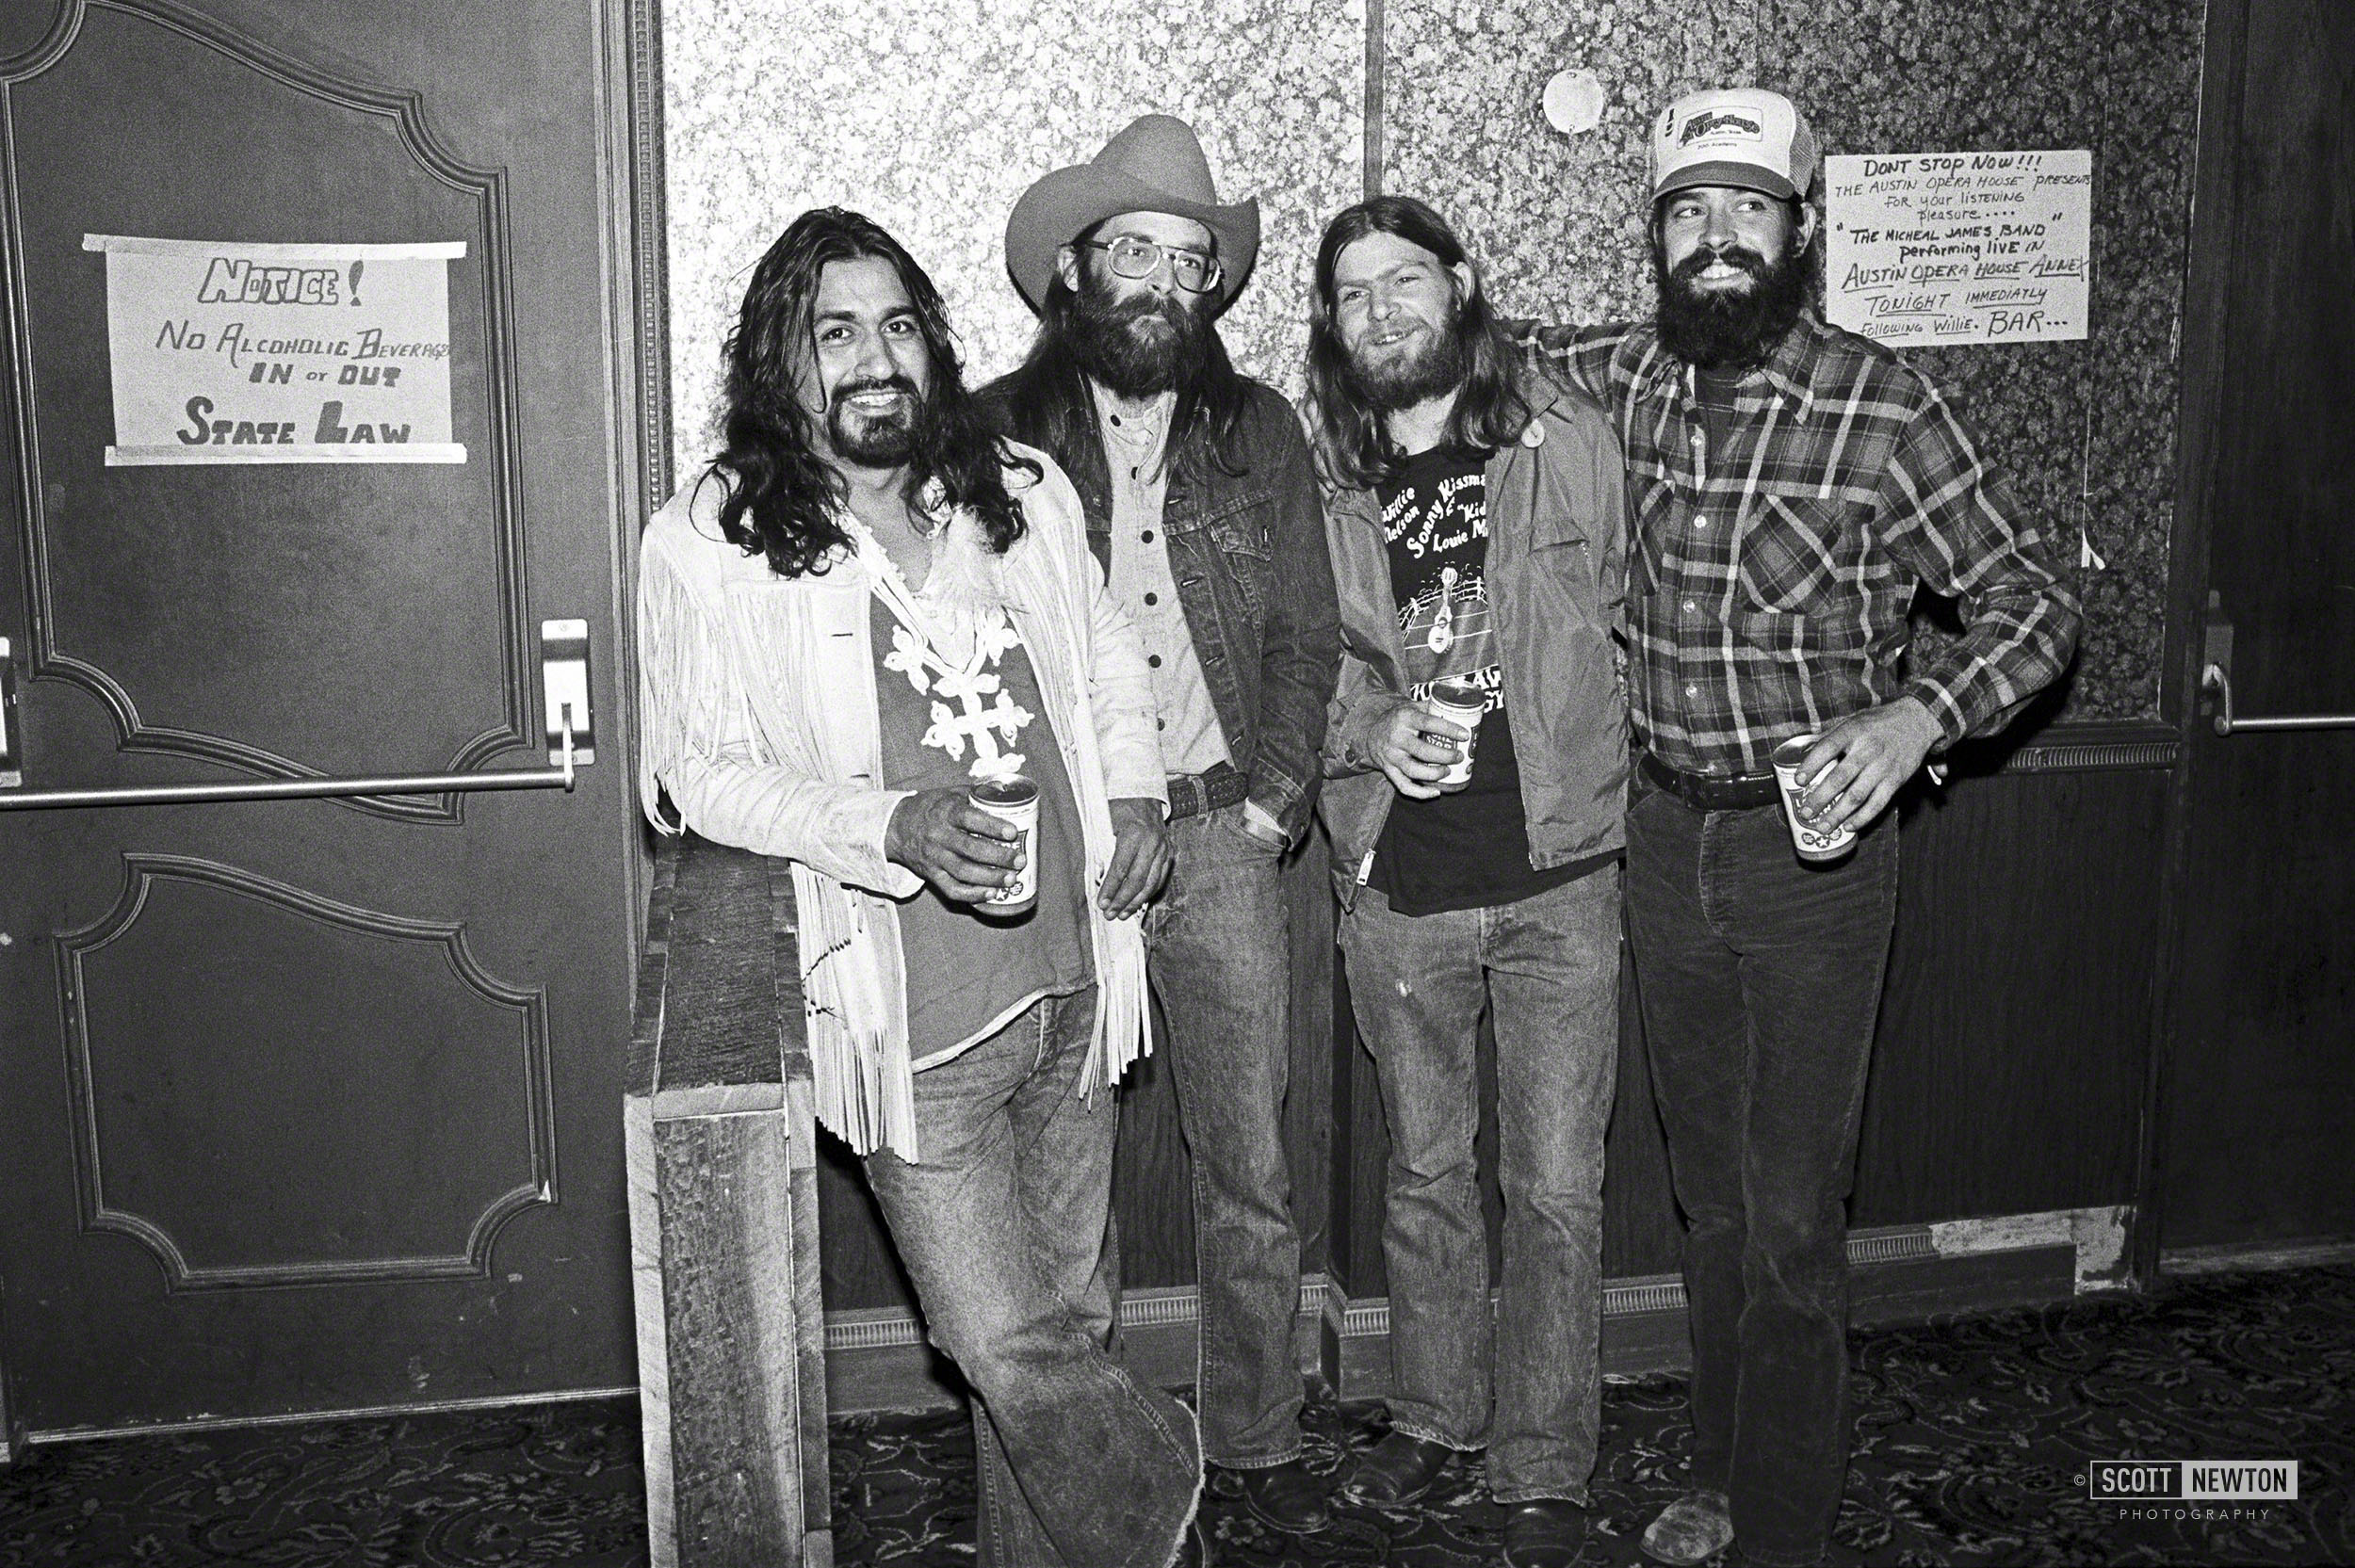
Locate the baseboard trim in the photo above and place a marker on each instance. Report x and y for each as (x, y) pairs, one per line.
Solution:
(305, 1417)
(2242, 1257)
(877, 1359)
(2096, 746)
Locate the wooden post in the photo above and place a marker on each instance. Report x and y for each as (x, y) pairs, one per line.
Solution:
(720, 1152)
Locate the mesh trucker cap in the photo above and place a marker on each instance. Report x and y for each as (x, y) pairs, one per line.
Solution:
(1745, 137)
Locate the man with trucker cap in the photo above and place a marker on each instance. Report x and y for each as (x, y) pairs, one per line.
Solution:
(1790, 486)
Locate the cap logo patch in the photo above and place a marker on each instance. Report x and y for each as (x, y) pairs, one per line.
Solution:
(1709, 124)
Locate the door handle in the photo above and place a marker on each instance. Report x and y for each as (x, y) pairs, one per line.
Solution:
(565, 687)
(2215, 685)
(2217, 682)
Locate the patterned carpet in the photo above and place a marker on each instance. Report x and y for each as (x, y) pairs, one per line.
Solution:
(1973, 1437)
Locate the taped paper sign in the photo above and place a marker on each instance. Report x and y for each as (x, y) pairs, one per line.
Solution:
(1959, 247)
(232, 352)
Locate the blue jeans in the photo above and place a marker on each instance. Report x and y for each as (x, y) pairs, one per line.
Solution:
(1220, 942)
(1549, 968)
(1005, 1230)
(1761, 978)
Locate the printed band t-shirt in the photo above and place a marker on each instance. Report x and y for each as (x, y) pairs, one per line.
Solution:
(968, 973)
(1468, 849)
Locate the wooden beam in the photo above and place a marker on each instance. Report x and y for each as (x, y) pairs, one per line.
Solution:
(720, 1152)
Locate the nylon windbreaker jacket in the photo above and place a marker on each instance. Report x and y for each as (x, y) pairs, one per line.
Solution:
(1556, 572)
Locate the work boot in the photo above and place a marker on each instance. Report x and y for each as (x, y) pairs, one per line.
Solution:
(1397, 1470)
(1288, 1496)
(1545, 1532)
(1694, 1528)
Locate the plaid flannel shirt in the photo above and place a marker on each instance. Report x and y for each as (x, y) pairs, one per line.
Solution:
(1769, 584)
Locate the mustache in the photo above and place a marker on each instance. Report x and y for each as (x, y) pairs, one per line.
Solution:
(875, 383)
(1167, 309)
(1692, 267)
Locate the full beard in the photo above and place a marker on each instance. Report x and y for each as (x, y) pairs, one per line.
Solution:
(876, 441)
(1139, 347)
(1414, 372)
(1729, 328)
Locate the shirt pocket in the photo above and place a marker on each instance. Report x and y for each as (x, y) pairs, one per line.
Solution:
(1797, 551)
(1242, 535)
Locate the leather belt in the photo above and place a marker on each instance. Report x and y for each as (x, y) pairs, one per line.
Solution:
(1192, 794)
(1708, 791)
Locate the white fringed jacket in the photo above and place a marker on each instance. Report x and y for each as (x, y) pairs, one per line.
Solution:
(758, 714)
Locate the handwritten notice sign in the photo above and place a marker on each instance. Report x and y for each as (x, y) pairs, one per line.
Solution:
(1959, 247)
(277, 353)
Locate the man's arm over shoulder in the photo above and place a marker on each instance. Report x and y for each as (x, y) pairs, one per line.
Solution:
(695, 728)
(1586, 358)
(1955, 520)
(1300, 645)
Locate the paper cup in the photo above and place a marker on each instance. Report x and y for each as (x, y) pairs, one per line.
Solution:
(1463, 701)
(1014, 799)
(1812, 843)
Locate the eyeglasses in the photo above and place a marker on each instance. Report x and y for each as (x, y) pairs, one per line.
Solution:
(1136, 257)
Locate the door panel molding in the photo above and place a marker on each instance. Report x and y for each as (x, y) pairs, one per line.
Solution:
(2201, 353)
(648, 249)
(405, 113)
(445, 941)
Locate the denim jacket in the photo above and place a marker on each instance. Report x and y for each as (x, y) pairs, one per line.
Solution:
(1248, 550)
(1556, 571)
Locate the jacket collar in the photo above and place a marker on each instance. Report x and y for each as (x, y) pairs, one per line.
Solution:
(1539, 388)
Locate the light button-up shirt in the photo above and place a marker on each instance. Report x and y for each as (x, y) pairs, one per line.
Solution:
(1135, 442)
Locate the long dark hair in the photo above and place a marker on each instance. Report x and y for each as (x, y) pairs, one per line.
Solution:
(1046, 403)
(782, 494)
(1490, 407)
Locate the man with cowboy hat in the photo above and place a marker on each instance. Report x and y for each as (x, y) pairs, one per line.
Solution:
(1202, 505)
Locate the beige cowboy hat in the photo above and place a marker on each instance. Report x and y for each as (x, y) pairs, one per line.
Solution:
(1155, 165)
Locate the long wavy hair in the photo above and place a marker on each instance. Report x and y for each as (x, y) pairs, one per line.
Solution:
(1046, 403)
(782, 494)
(1489, 409)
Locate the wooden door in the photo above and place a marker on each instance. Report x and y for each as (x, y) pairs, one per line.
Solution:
(2259, 1100)
(313, 1105)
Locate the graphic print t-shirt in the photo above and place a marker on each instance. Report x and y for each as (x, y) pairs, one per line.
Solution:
(1469, 848)
(942, 727)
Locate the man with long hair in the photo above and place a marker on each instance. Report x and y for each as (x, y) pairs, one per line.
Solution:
(1201, 504)
(869, 614)
(1792, 486)
(1477, 538)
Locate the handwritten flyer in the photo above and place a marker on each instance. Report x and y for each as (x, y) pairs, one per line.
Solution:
(239, 353)
(1959, 247)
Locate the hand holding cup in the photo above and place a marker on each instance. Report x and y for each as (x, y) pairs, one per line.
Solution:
(1417, 748)
(1460, 702)
(964, 852)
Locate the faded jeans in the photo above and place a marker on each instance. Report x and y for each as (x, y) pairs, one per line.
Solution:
(1548, 967)
(1005, 1230)
(1760, 977)
(1220, 941)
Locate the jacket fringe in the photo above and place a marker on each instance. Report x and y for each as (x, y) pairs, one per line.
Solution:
(862, 1076)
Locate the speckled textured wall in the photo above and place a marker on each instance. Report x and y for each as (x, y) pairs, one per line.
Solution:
(2086, 430)
(931, 116)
